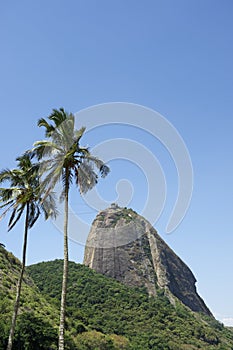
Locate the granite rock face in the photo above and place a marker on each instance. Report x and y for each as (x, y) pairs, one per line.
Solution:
(123, 245)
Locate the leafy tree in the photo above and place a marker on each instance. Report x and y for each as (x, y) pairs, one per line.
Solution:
(33, 332)
(63, 159)
(23, 195)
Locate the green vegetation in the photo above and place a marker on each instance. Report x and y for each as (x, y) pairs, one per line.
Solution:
(102, 313)
(102, 305)
(127, 214)
(37, 319)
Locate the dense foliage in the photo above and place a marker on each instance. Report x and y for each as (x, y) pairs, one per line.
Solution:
(37, 320)
(103, 305)
(102, 313)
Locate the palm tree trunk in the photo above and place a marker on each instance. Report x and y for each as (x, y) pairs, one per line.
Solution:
(19, 284)
(65, 272)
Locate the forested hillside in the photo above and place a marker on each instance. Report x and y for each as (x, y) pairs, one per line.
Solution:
(102, 313)
(37, 320)
(102, 304)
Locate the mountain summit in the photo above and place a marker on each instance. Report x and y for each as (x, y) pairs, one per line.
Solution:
(124, 245)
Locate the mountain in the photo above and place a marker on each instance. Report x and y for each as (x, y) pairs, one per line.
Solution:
(123, 245)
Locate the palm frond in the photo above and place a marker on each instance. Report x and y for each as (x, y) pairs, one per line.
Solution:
(16, 219)
(47, 144)
(8, 194)
(79, 133)
(5, 175)
(87, 178)
(58, 116)
(99, 164)
(53, 173)
(49, 127)
(34, 213)
(24, 190)
(83, 152)
(66, 132)
(24, 161)
(104, 170)
(48, 206)
(12, 216)
(45, 148)
(12, 176)
(5, 204)
(57, 138)
(6, 211)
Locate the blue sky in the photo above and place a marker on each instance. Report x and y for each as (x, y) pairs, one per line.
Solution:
(172, 56)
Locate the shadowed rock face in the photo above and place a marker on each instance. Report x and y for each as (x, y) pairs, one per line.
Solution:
(123, 245)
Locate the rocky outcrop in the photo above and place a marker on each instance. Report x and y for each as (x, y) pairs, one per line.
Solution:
(123, 245)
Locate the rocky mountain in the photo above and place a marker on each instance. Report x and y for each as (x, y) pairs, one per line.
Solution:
(123, 245)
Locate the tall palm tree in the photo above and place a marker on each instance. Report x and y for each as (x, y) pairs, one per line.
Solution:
(23, 195)
(63, 159)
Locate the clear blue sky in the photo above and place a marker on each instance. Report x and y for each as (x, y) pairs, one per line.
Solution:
(172, 56)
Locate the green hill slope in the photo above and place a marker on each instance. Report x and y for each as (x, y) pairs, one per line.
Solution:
(102, 313)
(37, 319)
(98, 305)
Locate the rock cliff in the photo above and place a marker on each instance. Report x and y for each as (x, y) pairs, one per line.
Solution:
(123, 245)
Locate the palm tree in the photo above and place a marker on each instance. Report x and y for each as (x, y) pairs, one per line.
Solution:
(23, 195)
(63, 159)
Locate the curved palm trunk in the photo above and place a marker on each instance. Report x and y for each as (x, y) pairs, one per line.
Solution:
(65, 273)
(19, 284)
